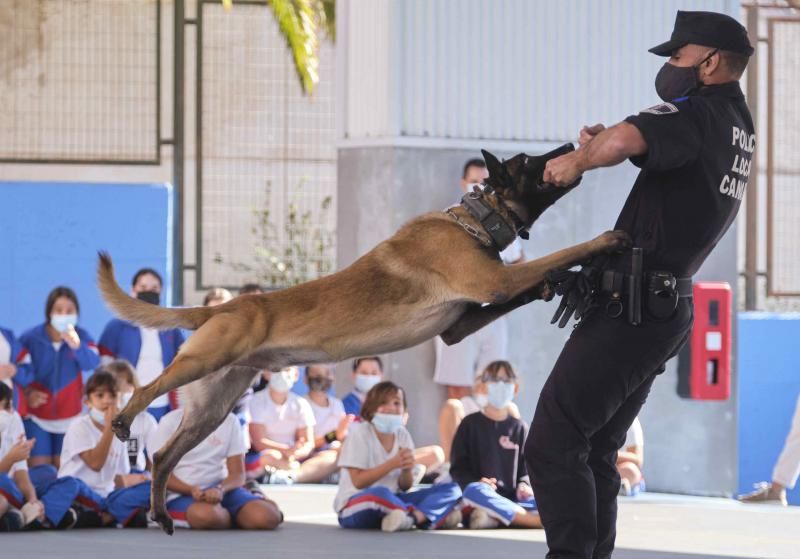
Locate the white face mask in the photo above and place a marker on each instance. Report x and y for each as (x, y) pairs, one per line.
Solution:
(281, 382)
(364, 383)
(62, 322)
(5, 419)
(500, 394)
(98, 416)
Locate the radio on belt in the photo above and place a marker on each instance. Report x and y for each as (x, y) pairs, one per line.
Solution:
(704, 366)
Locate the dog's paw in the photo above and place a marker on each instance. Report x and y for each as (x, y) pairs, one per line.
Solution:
(164, 520)
(611, 241)
(121, 428)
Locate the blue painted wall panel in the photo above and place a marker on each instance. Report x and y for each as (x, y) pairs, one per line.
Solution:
(769, 383)
(50, 234)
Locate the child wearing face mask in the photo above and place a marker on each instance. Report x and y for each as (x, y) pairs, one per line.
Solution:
(487, 459)
(376, 462)
(92, 454)
(63, 356)
(147, 349)
(455, 409)
(367, 372)
(51, 504)
(281, 432)
(143, 426)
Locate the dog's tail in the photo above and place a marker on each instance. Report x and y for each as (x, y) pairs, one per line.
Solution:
(140, 312)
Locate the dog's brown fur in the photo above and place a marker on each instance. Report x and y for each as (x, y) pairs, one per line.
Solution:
(431, 278)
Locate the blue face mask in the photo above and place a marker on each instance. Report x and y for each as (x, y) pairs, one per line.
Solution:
(62, 322)
(387, 423)
(98, 416)
(364, 383)
(500, 394)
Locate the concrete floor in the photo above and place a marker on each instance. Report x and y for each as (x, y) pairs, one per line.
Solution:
(651, 526)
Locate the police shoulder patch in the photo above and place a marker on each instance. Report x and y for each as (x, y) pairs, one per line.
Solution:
(661, 109)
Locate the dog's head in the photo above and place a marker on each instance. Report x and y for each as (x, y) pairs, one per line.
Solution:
(519, 180)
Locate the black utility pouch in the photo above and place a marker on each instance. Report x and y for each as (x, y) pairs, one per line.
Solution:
(662, 295)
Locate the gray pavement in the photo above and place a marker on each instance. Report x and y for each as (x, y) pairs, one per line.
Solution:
(651, 526)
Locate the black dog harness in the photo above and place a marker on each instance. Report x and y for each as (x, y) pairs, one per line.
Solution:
(498, 231)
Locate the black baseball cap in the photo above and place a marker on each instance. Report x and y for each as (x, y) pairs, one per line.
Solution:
(709, 29)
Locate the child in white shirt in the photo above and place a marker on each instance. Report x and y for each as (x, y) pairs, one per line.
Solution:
(46, 503)
(144, 424)
(206, 488)
(376, 464)
(94, 455)
(281, 432)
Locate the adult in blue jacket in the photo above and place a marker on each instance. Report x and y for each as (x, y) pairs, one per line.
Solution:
(147, 349)
(62, 356)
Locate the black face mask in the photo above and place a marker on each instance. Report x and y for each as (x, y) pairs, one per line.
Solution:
(319, 384)
(149, 297)
(673, 82)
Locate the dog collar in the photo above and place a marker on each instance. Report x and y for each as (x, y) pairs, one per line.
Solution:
(496, 226)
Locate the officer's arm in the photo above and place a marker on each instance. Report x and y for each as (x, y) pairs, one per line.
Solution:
(611, 147)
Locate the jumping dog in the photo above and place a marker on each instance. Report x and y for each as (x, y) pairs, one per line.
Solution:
(435, 276)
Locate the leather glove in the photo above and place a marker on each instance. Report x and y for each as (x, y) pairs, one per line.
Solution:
(576, 293)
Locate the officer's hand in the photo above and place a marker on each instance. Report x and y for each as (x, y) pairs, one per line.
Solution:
(589, 132)
(562, 171)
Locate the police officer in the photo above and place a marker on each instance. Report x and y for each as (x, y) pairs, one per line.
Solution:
(694, 152)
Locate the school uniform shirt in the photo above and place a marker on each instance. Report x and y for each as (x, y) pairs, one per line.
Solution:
(281, 422)
(352, 402)
(8, 438)
(11, 351)
(362, 449)
(327, 418)
(206, 464)
(483, 447)
(147, 349)
(84, 435)
(142, 430)
(58, 371)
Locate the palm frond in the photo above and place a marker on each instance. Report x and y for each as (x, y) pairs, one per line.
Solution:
(297, 23)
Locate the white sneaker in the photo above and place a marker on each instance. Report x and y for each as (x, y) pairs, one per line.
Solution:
(281, 477)
(397, 521)
(452, 520)
(479, 519)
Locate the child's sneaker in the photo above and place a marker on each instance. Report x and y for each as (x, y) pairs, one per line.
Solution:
(452, 520)
(280, 477)
(397, 521)
(12, 521)
(69, 520)
(479, 519)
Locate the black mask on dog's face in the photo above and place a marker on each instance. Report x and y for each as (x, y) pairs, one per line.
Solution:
(519, 179)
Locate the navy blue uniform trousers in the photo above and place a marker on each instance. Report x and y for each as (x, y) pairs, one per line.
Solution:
(595, 390)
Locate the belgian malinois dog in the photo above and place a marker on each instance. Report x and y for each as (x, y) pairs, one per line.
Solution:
(435, 276)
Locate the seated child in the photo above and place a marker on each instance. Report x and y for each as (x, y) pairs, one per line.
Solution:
(455, 409)
(376, 464)
(487, 459)
(282, 434)
(92, 454)
(630, 459)
(206, 489)
(331, 422)
(144, 424)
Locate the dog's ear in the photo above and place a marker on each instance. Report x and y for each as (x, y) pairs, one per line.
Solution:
(497, 172)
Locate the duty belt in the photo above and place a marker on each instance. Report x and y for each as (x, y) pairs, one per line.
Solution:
(657, 292)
